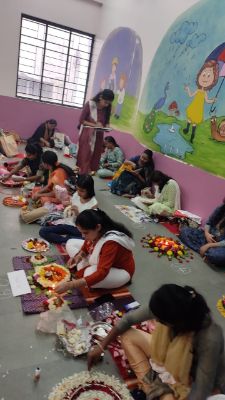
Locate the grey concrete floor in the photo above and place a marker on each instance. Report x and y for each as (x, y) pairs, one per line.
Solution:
(22, 349)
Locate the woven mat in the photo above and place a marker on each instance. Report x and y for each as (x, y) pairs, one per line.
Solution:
(92, 294)
(32, 303)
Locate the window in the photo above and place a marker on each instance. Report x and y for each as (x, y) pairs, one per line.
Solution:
(54, 62)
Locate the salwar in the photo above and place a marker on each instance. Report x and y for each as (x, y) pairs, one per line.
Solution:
(137, 346)
(59, 233)
(73, 246)
(105, 173)
(116, 277)
(139, 203)
(89, 150)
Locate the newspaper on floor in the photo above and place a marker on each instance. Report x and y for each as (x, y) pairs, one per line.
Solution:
(134, 214)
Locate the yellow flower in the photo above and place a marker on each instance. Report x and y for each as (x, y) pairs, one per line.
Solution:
(169, 253)
(155, 248)
(180, 253)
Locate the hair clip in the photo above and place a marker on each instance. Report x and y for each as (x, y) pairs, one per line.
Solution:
(192, 293)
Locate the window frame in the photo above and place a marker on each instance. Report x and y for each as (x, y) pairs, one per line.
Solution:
(71, 30)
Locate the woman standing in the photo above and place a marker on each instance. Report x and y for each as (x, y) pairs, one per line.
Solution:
(184, 356)
(112, 158)
(105, 259)
(96, 114)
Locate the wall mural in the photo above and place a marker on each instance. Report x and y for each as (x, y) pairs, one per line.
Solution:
(182, 107)
(119, 68)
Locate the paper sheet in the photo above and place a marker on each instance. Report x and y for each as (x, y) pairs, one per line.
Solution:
(18, 282)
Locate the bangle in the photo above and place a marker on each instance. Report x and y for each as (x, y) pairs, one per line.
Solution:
(100, 346)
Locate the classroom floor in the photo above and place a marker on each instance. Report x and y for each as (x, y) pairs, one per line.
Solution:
(22, 349)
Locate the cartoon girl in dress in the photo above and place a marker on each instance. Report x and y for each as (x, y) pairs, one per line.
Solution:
(206, 79)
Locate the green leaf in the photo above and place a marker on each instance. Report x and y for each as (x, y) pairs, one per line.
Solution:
(38, 290)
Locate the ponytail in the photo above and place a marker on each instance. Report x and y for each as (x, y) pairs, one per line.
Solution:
(89, 219)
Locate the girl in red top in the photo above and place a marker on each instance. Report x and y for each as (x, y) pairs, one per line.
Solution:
(105, 259)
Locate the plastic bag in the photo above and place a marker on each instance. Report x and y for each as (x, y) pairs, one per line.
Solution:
(61, 193)
(48, 319)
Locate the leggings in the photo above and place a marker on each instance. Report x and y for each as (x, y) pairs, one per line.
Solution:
(59, 233)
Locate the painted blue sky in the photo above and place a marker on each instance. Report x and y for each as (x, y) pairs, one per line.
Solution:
(182, 52)
(126, 45)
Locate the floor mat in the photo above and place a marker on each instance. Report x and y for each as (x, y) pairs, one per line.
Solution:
(171, 227)
(32, 303)
(91, 295)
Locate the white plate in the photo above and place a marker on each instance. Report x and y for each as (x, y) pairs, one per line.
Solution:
(24, 245)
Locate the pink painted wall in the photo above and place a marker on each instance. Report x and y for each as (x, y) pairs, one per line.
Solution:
(201, 192)
(24, 116)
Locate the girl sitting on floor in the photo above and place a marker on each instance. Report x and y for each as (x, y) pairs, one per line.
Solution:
(184, 356)
(32, 160)
(166, 197)
(136, 175)
(111, 159)
(58, 173)
(210, 242)
(83, 199)
(105, 259)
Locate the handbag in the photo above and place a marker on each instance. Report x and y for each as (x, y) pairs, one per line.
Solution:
(29, 216)
(8, 145)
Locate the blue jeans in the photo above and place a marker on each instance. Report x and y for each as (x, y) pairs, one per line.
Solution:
(59, 233)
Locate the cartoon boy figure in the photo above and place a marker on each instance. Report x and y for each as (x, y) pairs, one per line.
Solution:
(206, 79)
(121, 95)
(112, 76)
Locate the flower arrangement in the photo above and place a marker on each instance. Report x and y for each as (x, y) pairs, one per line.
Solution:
(221, 305)
(54, 303)
(165, 246)
(38, 259)
(50, 275)
(90, 386)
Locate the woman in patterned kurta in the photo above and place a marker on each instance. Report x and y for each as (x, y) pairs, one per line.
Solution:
(96, 113)
(166, 198)
(210, 242)
(112, 158)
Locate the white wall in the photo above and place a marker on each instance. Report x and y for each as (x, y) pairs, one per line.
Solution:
(78, 14)
(149, 18)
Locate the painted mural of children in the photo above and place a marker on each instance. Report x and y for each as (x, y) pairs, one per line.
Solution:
(218, 131)
(112, 76)
(206, 79)
(121, 95)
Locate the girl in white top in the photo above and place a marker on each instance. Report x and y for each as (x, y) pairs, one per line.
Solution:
(83, 199)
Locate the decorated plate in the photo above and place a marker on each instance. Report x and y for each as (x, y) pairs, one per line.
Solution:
(76, 341)
(90, 386)
(35, 245)
(51, 275)
(14, 201)
(38, 259)
(11, 183)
